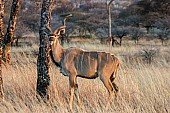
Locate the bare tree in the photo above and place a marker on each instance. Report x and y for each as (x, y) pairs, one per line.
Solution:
(43, 80)
(6, 43)
(2, 4)
(120, 32)
(108, 5)
(136, 33)
(162, 29)
(162, 33)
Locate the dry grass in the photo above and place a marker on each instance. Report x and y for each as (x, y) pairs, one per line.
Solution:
(143, 88)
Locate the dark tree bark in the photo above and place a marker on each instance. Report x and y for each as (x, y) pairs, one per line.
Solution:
(43, 80)
(6, 43)
(2, 5)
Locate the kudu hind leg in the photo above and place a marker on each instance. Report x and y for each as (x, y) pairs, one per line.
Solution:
(115, 87)
(112, 78)
(114, 84)
(107, 83)
(116, 91)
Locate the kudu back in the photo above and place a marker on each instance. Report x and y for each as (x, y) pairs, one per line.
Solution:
(75, 62)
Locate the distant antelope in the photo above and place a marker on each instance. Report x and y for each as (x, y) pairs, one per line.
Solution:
(75, 62)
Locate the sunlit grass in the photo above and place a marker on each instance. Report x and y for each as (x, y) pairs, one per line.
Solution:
(144, 88)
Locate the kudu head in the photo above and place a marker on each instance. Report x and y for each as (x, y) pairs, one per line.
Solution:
(53, 37)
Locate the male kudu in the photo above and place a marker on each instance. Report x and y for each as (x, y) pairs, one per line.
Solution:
(75, 62)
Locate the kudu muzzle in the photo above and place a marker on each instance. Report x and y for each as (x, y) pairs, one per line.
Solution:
(52, 38)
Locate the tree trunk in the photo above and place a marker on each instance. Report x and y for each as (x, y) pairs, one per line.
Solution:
(137, 40)
(43, 80)
(110, 26)
(162, 39)
(10, 31)
(120, 41)
(2, 5)
(108, 5)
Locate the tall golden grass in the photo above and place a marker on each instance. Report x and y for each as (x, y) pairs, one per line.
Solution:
(144, 88)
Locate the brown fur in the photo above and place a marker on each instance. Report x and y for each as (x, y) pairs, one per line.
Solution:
(75, 62)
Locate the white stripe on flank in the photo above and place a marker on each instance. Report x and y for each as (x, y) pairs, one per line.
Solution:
(81, 66)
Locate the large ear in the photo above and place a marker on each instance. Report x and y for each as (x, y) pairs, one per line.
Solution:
(49, 29)
(60, 30)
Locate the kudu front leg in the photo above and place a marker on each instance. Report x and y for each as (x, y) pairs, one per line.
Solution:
(107, 83)
(71, 98)
(77, 94)
(111, 93)
(72, 89)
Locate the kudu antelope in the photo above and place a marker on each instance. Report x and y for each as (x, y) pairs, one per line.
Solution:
(75, 62)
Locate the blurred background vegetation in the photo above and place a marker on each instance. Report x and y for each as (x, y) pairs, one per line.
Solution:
(131, 19)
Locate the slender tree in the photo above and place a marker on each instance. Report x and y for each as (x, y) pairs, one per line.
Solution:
(6, 43)
(2, 4)
(108, 5)
(43, 80)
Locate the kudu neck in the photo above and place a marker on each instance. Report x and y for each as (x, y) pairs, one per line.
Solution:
(57, 52)
(57, 45)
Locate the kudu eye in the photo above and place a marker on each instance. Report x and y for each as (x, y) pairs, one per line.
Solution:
(52, 37)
